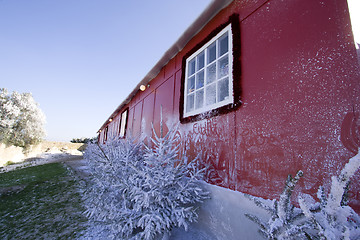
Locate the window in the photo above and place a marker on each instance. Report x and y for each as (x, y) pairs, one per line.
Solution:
(122, 128)
(208, 82)
(106, 134)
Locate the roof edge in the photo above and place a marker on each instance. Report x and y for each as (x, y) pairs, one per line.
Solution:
(210, 11)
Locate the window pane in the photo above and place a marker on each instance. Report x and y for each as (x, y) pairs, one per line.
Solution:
(191, 85)
(223, 89)
(223, 67)
(211, 94)
(190, 103)
(191, 69)
(199, 99)
(211, 53)
(223, 44)
(200, 79)
(201, 61)
(211, 73)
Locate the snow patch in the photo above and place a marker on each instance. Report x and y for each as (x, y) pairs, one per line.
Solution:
(222, 217)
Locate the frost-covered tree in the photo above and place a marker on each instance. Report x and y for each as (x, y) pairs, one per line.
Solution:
(21, 120)
(173, 187)
(329, 219)
(282, 223)
(140, 192)
(29, 125)
(332, 218)
(114, 169)
(8, 114)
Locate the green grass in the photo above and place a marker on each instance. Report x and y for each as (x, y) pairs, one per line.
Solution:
(47, 206)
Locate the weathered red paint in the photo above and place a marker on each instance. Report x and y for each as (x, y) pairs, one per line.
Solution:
(300, 100)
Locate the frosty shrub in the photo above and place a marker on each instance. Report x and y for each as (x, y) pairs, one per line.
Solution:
(21, 120)
(282, 224)
(332, 218)
(141, 192)
(329, 219)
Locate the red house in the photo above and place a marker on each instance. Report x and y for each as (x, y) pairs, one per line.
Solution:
(264, 88)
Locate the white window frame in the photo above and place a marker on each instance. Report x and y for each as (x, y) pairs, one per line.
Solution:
(123, 121)
(229, 75)
(353, 6)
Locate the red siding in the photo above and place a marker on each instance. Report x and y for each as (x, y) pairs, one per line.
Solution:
(164, 100)
(300, 91)
(298, 84)
(130, 121)
(177, 87)
(148, 113)
(136, 126)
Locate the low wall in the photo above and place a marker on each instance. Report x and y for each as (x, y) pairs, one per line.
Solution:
(17, 154)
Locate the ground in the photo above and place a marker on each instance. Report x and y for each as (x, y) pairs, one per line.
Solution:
(222, 216)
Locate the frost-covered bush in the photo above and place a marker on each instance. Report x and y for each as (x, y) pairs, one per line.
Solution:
(140, 192)
(329, 219)
(284, 216)
(21, 120)
(332, 218)
(114, 168)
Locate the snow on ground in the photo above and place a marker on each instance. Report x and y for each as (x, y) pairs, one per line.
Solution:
(222, 217)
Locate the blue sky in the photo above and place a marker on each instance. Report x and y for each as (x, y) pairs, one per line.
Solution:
(81, 58)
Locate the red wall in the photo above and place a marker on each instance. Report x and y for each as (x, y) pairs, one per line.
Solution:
(300, 92)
